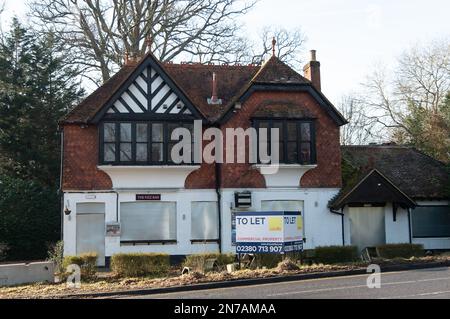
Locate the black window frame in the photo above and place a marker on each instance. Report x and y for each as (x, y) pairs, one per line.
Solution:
(166, 141)
(299, 140)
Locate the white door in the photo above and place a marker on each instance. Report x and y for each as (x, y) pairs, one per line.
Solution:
(367, 226)
(91, 230)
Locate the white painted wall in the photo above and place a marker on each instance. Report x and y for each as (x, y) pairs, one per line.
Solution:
(397, 232)
(321, 227)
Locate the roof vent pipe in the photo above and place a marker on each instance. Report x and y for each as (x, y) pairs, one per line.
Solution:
(214, 98)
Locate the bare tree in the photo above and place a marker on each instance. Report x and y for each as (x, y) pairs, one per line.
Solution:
(408, 102)
(2, 9)
(423, 76)
(290, 44)
(97, 33)
(361, 129)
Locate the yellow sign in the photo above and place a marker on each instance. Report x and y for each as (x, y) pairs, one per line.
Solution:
(299, 223)
(275, 224)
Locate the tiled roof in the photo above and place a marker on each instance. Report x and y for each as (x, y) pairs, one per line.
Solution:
(87, 109)
(275, 72)
(414, 173)
(195, 82)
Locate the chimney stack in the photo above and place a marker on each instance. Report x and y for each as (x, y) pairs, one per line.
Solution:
(312, 70)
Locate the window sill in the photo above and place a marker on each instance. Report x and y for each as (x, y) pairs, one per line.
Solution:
(148, 243)
(284, 175)
(203, 241)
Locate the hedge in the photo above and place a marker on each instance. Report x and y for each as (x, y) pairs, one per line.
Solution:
(197, 262)
(87, 262)
(140, 265)
(29, 219)
(335, 254)
(391, 251)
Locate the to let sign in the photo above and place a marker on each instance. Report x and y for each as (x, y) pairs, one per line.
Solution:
(148, 197)
(269, 232)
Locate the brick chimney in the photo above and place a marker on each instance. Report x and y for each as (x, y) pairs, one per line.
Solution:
(312, 71)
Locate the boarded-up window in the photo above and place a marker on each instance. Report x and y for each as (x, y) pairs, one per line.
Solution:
(204, 221)
(148, 221)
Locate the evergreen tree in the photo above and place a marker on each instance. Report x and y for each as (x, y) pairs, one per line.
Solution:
(36, 90)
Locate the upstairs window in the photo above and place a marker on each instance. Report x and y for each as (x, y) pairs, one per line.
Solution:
(297, 140)
(139, 143)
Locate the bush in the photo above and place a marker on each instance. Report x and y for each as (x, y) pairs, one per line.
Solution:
(198, 262)
(335, 254)
(391, 251)
(56, 255)
(29, 218)
(287, 265)
(3, 251)
(139, 265)
(87, 262)
(269, 261)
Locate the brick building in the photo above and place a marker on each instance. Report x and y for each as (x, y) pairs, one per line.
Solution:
(123, 191)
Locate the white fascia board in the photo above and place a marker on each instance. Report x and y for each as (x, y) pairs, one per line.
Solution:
(148, 177)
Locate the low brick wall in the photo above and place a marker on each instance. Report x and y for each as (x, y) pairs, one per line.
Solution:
(17, 274)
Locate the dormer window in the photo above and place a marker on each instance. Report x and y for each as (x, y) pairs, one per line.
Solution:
(138, 143)
(297, 139)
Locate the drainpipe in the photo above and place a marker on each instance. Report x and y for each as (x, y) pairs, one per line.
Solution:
(60, 192)
(218, 178)
(409, 225)
(342, 222)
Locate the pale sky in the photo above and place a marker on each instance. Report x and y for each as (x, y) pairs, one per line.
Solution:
(350, 36)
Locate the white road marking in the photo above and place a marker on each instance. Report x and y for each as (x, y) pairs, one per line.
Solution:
(355, 287)
(420, 295)
(304, 281)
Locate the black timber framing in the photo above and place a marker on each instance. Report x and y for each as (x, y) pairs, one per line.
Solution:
(374, 189)
(148, 62)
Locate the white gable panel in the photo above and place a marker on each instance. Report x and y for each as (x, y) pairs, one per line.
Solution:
(161, 96)
(142, 84)
(135, 98)
(138, 95)
(133, 105)
(156, 83)
(177, 109)
(119, 106)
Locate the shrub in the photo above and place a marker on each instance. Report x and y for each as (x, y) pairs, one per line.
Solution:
(56, 255)
(87, 262)
(198, 262)
(391, 251)
(3, 251)
(287, 265)
(269, 261)
(139, 265)
(335, 254)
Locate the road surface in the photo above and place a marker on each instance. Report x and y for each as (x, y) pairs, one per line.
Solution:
(417, 284)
